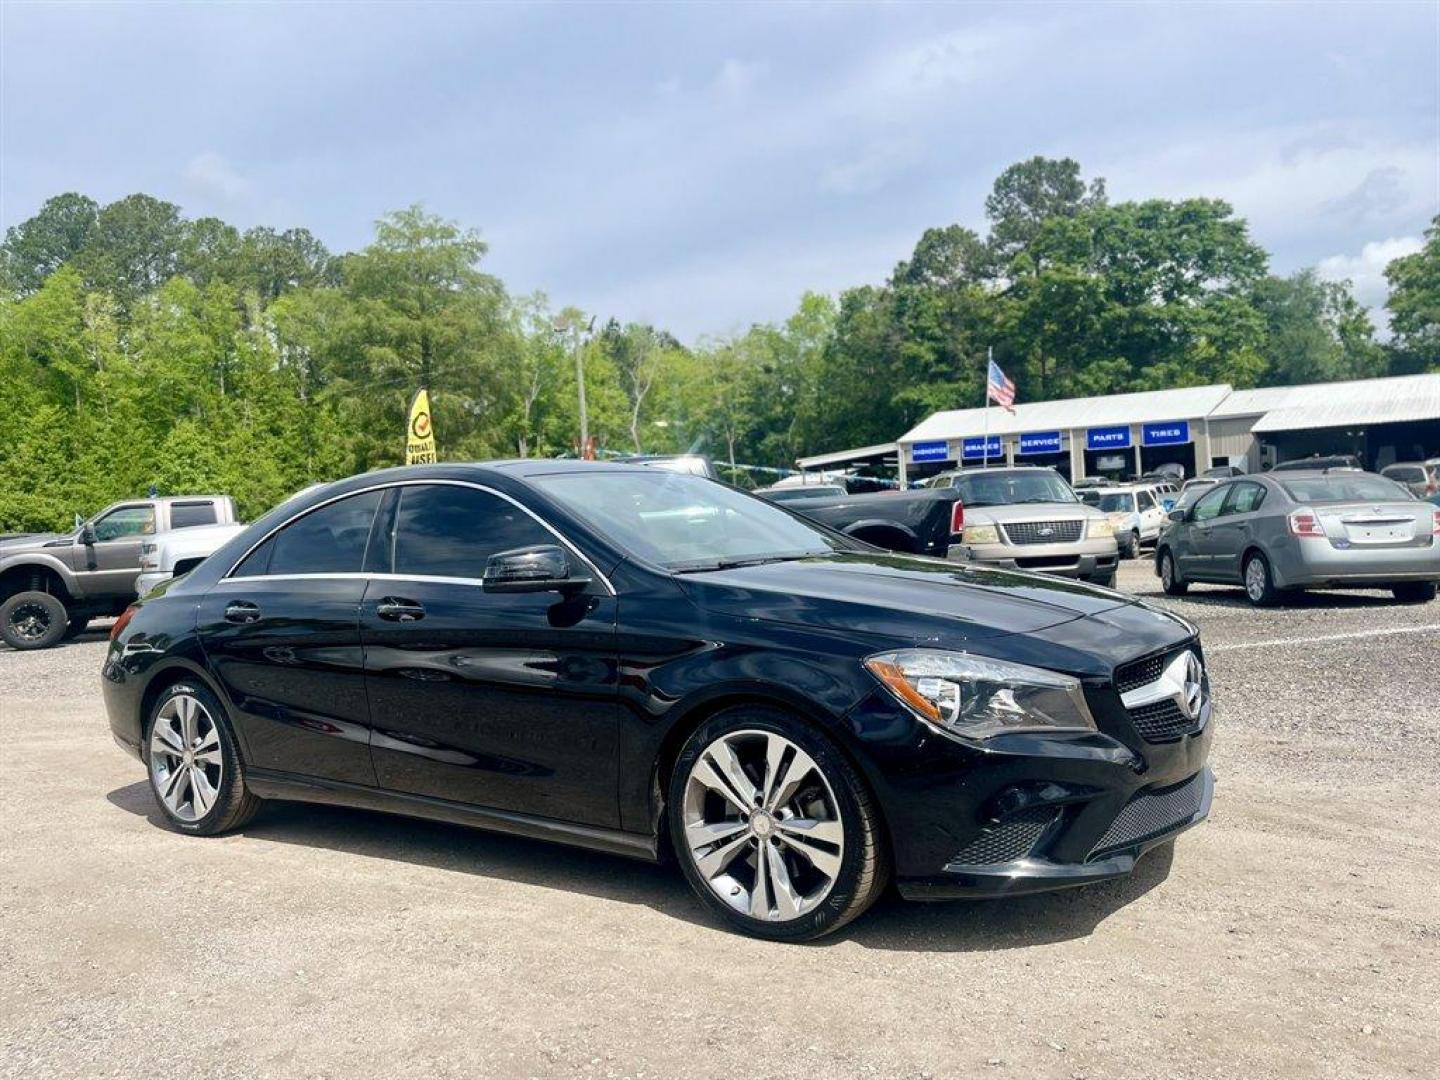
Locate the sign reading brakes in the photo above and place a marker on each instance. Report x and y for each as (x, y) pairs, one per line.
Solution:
(1166, 433)
(1040, 442)
(419, 431)
(1108, 438)
(930, 451)
(978, 448)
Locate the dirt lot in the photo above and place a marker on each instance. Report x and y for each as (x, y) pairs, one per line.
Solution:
(1296, 934)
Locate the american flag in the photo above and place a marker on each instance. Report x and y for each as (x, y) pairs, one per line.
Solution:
(1000, 389)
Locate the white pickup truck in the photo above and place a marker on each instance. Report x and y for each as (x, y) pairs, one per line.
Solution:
(172, 554)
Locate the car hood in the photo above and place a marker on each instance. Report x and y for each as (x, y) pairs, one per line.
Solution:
(1009, 513)
(26, 541)
(900, 598)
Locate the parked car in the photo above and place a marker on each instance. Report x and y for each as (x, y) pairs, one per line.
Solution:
(1422, 478)
(641, 662)
(53, 584)
(1135, 513)
(1223, 472)
(1192, 490)
(1333, 529)
(1028, 518)
(800, 494)
(175, 553)
(915, 522)
(692, 464)
(1319, 461)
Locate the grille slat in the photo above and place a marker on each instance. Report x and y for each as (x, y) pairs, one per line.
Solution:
(1151, 814)
(1011, 839)
(1161, 721)
(1029, 532)
(1140, 673)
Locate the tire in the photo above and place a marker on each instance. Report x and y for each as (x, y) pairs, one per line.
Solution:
(813, 884)
(32, 620)
(1170, 576)
(76, 626)
(1132, 546)
(1414, 592)
(1106, 582)
(1258, 583)
(174, 780)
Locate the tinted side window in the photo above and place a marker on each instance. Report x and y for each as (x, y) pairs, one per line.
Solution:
(1247, 498)
(1147, 501)
(124, 522)
(1208, 505)
(184, 515)
(330, 540)
(447, 531)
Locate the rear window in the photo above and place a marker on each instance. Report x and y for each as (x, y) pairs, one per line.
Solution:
(186, 515)
(1343, 487)
(1406, 474)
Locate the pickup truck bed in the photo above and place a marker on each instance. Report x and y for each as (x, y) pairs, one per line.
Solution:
(911, 521)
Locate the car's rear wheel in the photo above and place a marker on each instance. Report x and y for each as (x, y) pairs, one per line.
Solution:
(32, 620)
(1170, 577)
(195, 770)
(1259, 585)
(1414, 592)
(774, 829)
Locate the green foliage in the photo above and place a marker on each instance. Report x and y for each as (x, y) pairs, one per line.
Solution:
(138, 347)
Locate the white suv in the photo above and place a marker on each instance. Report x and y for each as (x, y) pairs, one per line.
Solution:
(1135, 510)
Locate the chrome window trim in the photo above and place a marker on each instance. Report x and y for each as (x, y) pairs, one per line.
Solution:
(564, 541)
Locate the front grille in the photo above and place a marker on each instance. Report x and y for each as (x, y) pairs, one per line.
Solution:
(1162, 721)
(1140, 673)
(1151, 814)
(1011, 839)
(1043, 532)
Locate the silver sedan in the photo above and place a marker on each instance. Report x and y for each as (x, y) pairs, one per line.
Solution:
(1331, 529)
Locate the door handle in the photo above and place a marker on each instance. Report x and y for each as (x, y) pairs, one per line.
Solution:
(398, 609)
(241, 611)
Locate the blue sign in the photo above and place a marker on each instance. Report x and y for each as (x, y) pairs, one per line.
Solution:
(1040, 442)
(977, 448)
(1166, 433)
(930, 451)
(1108, 438)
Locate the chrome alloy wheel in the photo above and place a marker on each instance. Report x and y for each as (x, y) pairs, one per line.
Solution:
(1255, 578)
(30, 621)
(762, 825)
(186, 765)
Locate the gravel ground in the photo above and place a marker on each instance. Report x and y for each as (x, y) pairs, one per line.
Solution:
(1297, 934)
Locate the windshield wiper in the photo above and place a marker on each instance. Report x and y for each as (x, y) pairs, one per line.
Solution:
(701, 565)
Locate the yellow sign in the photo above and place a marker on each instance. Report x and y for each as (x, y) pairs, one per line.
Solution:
(420, 432)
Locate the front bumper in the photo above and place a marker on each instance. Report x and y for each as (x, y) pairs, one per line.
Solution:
(1135, 831)
(148, 580)
(1077, 559)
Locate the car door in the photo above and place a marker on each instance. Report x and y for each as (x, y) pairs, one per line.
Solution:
(1152, 516)
(281, 633)
(110, 565)
(1196, 554)
(502, 700)
(1234, 528)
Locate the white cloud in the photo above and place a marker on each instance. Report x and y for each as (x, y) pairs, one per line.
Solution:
(212, 178)
(1366, 272)
(872, 169)
(734, 81)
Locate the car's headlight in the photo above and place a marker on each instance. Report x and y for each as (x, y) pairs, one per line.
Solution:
(980, 534)
(1099, 528)
(978, 697)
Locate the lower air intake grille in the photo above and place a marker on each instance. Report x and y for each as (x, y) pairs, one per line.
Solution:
(1012, 839)
(1043, 532)
(1152, 813)
(1161, 721)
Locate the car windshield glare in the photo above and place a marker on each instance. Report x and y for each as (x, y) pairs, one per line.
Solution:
(1118, 502)
(685, 522)
(1343, 487)
(1004, 488)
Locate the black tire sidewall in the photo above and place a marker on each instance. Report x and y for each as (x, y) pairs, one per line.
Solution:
(217, 819)
(54, 633)
(835, 908)
(1176, 586)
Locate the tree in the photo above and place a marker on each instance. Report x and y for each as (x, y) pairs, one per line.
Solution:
(38, 246)
(638, 353)
(1414, 303)
(272, 263)
(1029, 194)
(1315, 331)
(135, 248)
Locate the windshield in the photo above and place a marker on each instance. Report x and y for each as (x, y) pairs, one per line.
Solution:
(1004, 488)
(1411, 474)
(1117, 502)
(1344, 487)
(685, 522)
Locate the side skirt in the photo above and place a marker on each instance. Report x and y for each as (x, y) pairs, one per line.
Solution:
(277, 785)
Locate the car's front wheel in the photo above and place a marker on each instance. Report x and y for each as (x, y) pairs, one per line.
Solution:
(1414, 592)
(773, 827)
(32, 620)
(195, 770)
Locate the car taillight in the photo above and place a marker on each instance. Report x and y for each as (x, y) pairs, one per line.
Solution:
(123, 621)
(957, 518)
(1305, 523)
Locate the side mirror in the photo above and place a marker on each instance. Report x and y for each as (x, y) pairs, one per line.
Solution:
(1176, 515)
(545, 568)
(87, 534)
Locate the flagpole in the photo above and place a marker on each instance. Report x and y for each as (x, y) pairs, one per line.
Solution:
(985, 443)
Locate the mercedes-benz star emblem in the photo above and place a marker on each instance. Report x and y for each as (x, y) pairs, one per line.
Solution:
(1194, 685)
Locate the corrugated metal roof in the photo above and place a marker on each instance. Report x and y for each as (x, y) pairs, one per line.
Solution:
(1186, 403)
(839, 457)
(1347, 404)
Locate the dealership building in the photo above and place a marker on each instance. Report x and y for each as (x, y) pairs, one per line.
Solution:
(1197, 427)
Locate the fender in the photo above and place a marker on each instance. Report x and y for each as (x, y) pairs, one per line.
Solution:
(880, 523)
(50, 562)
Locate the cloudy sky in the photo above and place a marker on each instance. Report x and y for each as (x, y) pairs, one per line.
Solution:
(701, 166)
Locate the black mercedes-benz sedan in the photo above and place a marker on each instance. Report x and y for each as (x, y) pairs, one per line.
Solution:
(656, 665)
